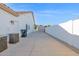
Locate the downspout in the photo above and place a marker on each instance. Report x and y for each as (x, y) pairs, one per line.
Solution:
(33, 19)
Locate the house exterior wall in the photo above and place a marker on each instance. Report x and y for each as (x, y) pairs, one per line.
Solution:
(26, 19)
(5, 26)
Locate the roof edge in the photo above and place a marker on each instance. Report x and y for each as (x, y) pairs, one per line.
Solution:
(7, 9)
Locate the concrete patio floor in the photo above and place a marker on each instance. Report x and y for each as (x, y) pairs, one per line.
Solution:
(38, 44)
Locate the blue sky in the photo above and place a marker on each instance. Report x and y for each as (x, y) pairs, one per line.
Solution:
(49, 13)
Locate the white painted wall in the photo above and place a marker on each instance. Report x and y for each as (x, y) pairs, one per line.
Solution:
(71, 26)
(26, 19)
(67, 26)
(60, 33)
(66, 32)
(76, 27)
(5, 25)
(19, 23)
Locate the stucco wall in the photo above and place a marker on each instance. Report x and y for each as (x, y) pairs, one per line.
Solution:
(67, 26)
(76, 27)
(26, 19)
(5, 25)
(19, 23)
(64, 32)
(71, 26)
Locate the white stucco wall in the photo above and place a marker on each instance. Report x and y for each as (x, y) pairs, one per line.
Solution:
(67, 26)
(19, 22)
(63, 35)
(26, 19)
(76, 27)
(71, 26)
(63, 32)
(5, 25)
